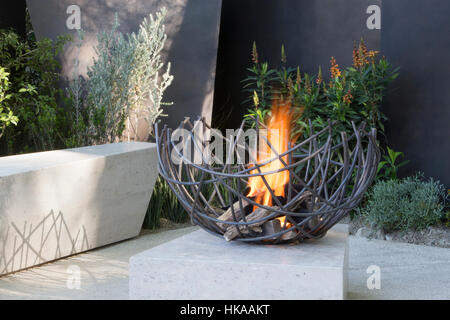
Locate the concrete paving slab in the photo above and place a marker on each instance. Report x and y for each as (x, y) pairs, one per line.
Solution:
(407, 271)
(103, 272)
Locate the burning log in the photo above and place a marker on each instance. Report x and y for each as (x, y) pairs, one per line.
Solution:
(228, 215)
(232, 231)
(271, 227)
(274, 226)
(260, 213)
(289, 235)
(304, 200)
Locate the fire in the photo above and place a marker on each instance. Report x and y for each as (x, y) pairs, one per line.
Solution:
(278, 135)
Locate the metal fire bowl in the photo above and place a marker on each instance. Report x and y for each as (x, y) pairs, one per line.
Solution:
(328, 177)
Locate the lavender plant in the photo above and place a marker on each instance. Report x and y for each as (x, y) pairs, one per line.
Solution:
(147, 85)
(124, 83)
(410, 203)
(81, 129)
(109, 83)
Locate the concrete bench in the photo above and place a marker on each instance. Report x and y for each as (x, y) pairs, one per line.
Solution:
(58, 203)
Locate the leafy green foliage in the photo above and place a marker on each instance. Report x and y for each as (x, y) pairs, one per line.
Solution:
(78, 115)
(447, 219)
(352, 94)
(6, 115)
(388, 168)
(124, 82)
(411, 203)
(164, 204)
(349, 96)
(259, 81)
(33, 76)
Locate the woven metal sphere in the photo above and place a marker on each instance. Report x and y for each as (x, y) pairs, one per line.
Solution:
(328, 176)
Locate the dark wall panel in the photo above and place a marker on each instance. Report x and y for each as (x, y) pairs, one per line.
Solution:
(312, 32)
(415, 36)
(12, 15)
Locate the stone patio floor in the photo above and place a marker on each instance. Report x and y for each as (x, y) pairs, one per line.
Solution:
(407, 271)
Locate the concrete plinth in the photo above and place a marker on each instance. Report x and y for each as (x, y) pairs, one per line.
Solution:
(202, 266)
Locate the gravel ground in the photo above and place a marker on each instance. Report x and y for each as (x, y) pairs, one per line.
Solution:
(438, 236)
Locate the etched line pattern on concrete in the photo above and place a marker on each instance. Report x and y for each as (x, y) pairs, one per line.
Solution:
(24, 254)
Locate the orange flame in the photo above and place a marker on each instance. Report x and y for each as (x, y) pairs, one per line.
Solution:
(278, 134)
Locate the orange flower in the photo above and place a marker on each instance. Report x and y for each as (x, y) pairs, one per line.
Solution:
(361, 56)
(363, 49)
(335, 72)
(373, 53)
(348, 97)
(357, 63)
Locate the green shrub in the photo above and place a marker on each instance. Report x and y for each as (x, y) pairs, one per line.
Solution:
(446, 219)
(33, 96)
(388, 167)
(411, 203)
(6, 115)
(351, 94)
(124, 84)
